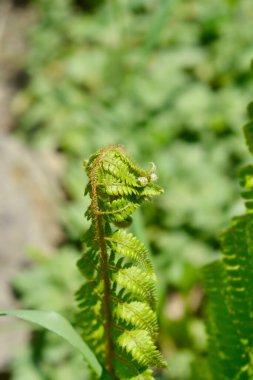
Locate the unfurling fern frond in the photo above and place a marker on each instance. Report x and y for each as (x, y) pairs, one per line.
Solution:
(117, 302)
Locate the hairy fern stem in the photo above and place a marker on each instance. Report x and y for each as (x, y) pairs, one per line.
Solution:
(103, 264)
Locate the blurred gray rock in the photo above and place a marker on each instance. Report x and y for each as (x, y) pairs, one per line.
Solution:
(28, 217)
(15, 24)
(28, 188)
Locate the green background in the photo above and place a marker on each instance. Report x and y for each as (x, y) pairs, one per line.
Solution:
(170, 81)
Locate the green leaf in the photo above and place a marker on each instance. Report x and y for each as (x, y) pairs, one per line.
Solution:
(56, 323)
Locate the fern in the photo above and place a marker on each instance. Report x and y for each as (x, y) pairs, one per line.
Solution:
(229, 286)
(117, 302)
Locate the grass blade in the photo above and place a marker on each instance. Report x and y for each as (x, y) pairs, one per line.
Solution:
(56, 323)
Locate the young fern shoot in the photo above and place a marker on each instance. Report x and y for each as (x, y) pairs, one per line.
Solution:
(117, 302)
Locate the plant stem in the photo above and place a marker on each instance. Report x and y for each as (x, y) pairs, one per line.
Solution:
(103, 263)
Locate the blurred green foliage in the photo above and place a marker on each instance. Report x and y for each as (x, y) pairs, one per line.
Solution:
(169, 80)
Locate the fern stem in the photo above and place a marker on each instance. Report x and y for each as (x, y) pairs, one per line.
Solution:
(104, 267)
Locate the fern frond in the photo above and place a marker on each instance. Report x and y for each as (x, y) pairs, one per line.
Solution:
(237, 243)
(229, 284)
(117, 302)
(226, 350)
(229, 287)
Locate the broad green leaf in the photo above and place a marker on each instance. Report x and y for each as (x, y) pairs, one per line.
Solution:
(56, 323)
